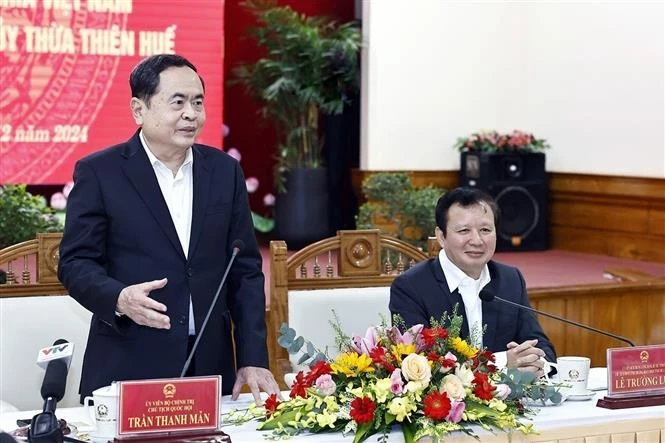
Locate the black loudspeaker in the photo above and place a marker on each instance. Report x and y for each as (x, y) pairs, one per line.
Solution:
(518, 184)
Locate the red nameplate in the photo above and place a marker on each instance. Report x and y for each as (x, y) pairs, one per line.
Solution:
(636, 371)
(169, 405)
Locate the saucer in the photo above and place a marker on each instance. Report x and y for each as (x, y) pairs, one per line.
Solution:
(588, 395)
(97, 438)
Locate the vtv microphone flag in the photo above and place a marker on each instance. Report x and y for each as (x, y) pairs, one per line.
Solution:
(61, 350)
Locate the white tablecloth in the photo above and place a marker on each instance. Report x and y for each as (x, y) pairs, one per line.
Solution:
(563, 423)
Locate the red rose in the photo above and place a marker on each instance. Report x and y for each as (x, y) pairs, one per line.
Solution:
(437, 405)
(271, 404)
(483, 388)
(362, 410)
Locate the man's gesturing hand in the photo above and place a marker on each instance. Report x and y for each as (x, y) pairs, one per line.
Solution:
(135, 303)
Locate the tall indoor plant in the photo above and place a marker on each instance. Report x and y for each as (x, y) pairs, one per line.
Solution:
(309, 69)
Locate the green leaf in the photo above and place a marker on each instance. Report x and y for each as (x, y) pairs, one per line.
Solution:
(296, 345)
(409, 431)
(262, 224)
(363, 432)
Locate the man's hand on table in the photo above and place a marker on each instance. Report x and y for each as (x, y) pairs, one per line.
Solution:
(259, 380)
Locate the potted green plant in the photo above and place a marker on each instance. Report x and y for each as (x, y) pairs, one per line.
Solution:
(396, 207)
(23, 215)
(310, 69)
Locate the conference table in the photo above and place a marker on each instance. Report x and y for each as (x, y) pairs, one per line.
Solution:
(569, 422)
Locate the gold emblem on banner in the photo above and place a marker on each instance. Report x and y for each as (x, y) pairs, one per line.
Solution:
(169, 390)
(644, 356)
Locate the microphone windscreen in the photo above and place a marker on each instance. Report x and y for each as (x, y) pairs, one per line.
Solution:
(55, 380)
(486, 295)
(60, 341)
(238, 244)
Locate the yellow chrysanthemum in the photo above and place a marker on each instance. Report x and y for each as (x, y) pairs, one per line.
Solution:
(350, 363)
(463, 347)
(400, 349)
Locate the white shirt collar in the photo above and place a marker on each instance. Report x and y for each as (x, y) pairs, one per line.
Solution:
(155, 161)
(455, 276)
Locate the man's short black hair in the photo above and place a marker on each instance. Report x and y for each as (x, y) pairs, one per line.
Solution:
(144, 79)
(464, 197)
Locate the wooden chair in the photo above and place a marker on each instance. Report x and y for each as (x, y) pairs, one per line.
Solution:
(32, 267)
(35, 310)
(349, 273)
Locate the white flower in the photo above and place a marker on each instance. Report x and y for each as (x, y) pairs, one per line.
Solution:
(415, 367)
(465, 374)
(233, 152)
(67, 188)
(58, 201)
(269, 200)
(252, 184)
(452, 385)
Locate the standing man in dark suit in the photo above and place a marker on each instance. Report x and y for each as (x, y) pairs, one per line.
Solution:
(148, 234)
(466, 221)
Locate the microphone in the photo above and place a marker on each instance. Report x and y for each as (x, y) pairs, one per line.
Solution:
(488, 296)
(56, 359)
(237, 246)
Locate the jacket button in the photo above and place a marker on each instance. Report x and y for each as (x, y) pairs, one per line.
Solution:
(182, 320)
(190, 272)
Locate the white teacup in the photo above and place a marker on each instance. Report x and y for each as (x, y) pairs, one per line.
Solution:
(574, 372)
(104, 410)
(289, 378)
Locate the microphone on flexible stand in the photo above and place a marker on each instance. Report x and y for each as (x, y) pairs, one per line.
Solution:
(237, 246)
(488, 297)
(44, 427)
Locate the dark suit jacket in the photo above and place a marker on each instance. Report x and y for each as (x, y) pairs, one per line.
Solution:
(119, 232)
(422, 293)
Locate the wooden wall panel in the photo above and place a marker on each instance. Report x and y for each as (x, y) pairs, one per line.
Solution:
(632, 310)
(657, 222)
(595, 214)
(630, 246)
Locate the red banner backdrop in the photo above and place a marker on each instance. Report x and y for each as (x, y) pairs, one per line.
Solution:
(64, 70)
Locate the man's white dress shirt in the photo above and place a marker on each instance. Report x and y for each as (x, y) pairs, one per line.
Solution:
(469, 289)
(177, 190)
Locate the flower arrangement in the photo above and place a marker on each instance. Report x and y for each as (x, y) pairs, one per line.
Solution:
(493, 141)
(428, 380)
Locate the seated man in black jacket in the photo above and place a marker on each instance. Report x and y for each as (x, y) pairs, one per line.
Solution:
(466, 221)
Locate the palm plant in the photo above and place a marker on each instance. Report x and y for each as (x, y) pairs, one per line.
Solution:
(310, 67)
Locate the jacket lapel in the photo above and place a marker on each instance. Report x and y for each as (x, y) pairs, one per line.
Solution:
(201, 191)
(140, 173)
(451, 298)
(490, 311)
